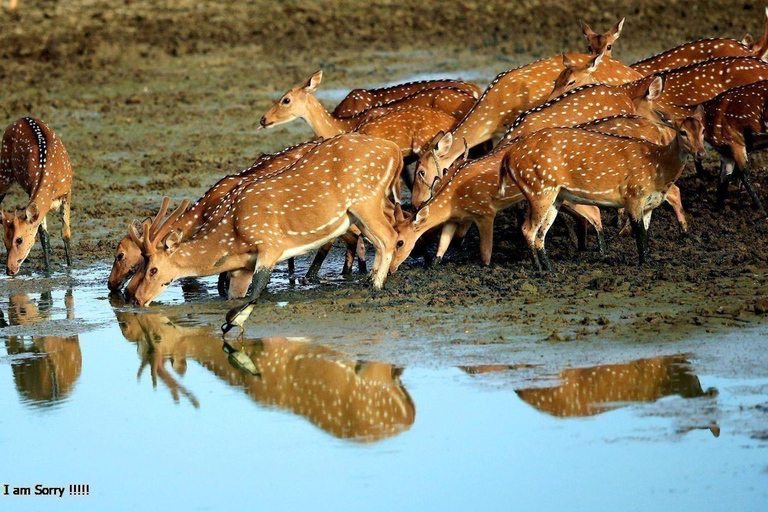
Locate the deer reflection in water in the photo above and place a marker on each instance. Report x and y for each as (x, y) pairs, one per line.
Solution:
(46, 368)
(347, 398)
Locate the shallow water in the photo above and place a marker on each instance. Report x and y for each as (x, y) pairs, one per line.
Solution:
(147, 408)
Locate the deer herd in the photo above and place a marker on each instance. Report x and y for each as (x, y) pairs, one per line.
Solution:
(578, 131)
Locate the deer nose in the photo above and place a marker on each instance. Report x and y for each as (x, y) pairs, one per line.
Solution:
(263, 121)
(701, 153)
(136, 302)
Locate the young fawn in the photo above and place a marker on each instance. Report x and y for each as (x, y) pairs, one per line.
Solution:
(510, 94)
(469, 194)
(587, 167)
(637, 127)
(300, 102)
(736, 124)
(295, 210)
(35, 157)
(360, 100)
(601, 43)
(128, 254)
(705, 49)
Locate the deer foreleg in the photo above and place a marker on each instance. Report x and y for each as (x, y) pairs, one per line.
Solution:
(641, 237)
(744, 177)
(727, 166)
(485, 227)
(314, 268)
(45, 241)
(65, 232)
(377, 228)
(676, 202)
(449, 229)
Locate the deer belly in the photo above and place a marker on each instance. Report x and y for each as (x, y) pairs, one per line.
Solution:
(608, 200)
(306, 244)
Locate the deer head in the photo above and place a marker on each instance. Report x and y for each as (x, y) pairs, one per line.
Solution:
(575, 75)
(690, 133)
(601, 43)
(128, 255)
(20, 230)
(409, 229)
(157, 247)
(429, 167)
(292, 104)
(759, 47)
(645, 101)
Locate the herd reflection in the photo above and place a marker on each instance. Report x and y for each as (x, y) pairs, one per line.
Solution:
(345, 397)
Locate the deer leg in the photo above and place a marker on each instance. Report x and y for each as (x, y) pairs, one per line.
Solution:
(700, 172)
(641, 237)
(65, 231)
(537, 213)
(549, 219)
(360, 250)
(222, 286)
(292, 265)
(260, 279)
(461, 233)
(744, 177)
(314, 268)
(485, 228)
(676, 202)
(446, 235)
(727, 166)
(382, 235)
(45, 241)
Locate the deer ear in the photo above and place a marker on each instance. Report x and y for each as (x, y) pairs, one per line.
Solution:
(568, 62)
(399, 217)
(655, 89)
(32, 213)
(595, 62)
(586, 29)
(172, 241)
(444, 145)
(421, 215)
(616, 29)
(748, 40)
(313, 81)
(699, 113)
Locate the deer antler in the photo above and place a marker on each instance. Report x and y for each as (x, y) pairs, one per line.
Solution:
(161, 214)
(133, 232)
(166, 226)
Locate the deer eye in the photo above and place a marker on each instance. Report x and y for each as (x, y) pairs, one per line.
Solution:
(421, 173)
(19, 240)
(120, 257)
(610, 46)
(286, 101)
(572, 82)
(153, 271)
(166, 284)
(400, 243)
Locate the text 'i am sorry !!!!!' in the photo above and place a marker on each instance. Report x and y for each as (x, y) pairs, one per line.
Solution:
(45, 490)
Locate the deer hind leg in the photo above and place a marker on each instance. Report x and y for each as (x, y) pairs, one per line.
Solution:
(549, 219)
(45, 241)
(588, 215)
(676, 202)
(727, 166)
(538, 210)
(382, 235)
(317, 262)
(742, 171)
(65, 231)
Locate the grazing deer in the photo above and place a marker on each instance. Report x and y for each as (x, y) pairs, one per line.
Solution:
(469, 194)
(575, 75)
(637, 127)
(128, 254)
(601, 43)
(585, 104)
(689, 86)
(360, 100)
(736, 123)
(587, 167)
(35, 157)
(594, 390)
(345, 179)
(347, 398)
(510, 94)
(702, 50)
(300, 102)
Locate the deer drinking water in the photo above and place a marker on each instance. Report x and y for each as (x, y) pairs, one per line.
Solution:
(586, 167)
(35, 157)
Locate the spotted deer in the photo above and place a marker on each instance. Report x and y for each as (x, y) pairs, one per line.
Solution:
(637, 127)
(128, 254)
(508, 95)
(575, 75)
(345, 180)
(597, 389)
(702, 50)
(347, 398)
(470, 194)
(360, 100)
(736, 124)
(689, 86)
(587, 167)
(34, 156)
(300, 102)
(601, 43)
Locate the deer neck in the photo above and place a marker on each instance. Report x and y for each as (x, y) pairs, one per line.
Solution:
(321, 121)
(205, 255)
(672, 158)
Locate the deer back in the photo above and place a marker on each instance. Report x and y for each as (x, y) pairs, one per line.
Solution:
(732, 114)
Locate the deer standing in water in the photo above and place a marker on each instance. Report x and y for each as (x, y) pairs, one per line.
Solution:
(510, 94)
(702, 50)
(360, 100)
(35, 157)
(586, 167)
(736, 124)
(345, 180)
(469, 194)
